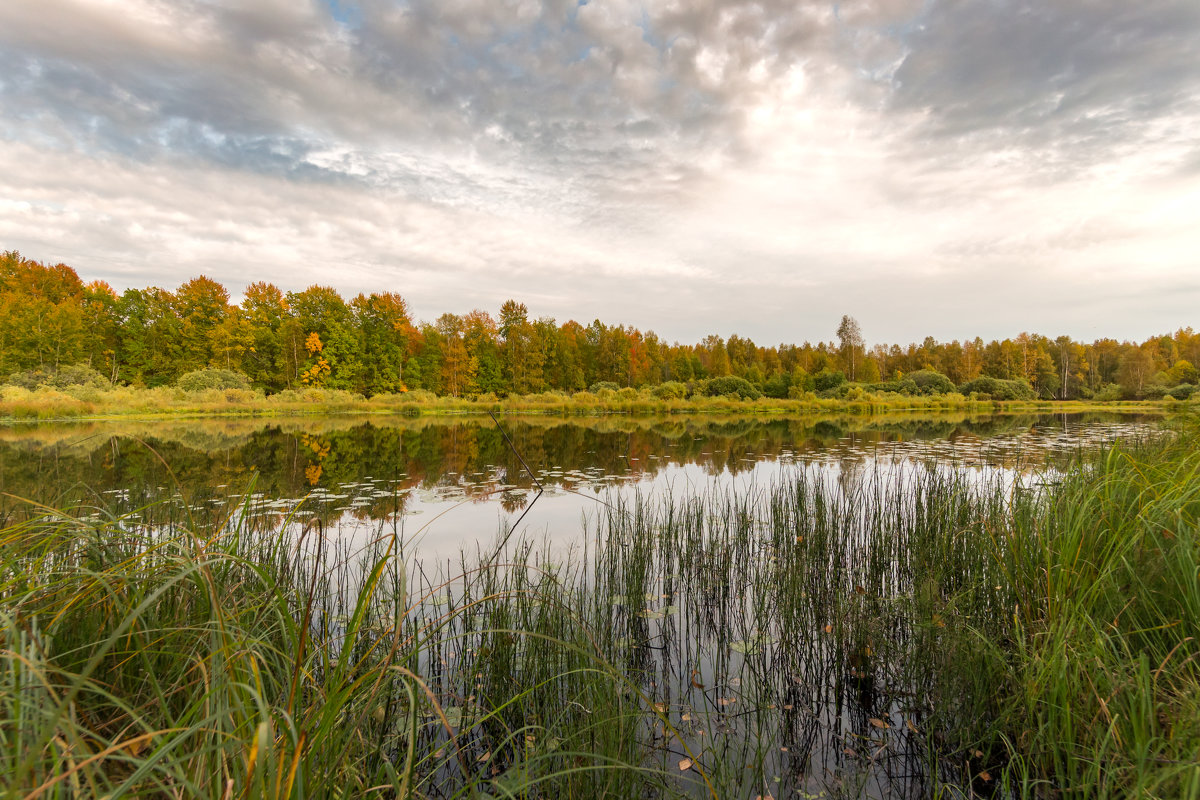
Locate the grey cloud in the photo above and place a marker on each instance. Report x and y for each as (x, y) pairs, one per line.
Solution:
(1084, 76)
(590, 152)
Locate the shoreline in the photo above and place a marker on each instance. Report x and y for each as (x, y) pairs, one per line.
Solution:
(90, 405)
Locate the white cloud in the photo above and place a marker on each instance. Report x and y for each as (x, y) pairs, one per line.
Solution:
(690, 167)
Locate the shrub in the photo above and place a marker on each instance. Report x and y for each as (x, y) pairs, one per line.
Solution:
(930, 382)
(671, 390)
(596, 387)
(742, 388)
(1181, 392)
(627, 394)
(418, 396)
(68, 376)
(201, 379)
(826, 379)
(902, 386)
(777, 386)
(998, 389)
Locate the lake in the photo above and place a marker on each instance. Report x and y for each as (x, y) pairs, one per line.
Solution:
(770, 593)
(453, 482)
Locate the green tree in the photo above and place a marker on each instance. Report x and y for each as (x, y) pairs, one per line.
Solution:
(851, 344)
(201, 305)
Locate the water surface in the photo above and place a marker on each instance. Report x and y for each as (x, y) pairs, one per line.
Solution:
(455, 482)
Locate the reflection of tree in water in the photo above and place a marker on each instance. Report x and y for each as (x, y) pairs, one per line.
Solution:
(319, 450)
(513, 501)
(468, 454)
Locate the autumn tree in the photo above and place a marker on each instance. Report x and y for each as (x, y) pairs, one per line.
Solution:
(201, 305)
(384, 328)
(264, 310)
(850, 344)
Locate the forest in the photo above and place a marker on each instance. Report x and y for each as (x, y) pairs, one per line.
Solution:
(56, 330)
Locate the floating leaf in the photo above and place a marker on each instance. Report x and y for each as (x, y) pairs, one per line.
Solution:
(986, 776)
(829, 628)
(664, 612)
(878, 723)
(753, 645)
(458, 717)
(726, 701)
(909, 724)
(685, 764)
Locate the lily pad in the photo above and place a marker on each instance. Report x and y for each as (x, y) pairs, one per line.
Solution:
(665, 611)
(752, 646)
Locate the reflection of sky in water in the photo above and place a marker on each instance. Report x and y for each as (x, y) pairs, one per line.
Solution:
(466, 512)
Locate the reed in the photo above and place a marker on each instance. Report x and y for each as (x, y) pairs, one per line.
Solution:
(904, 630)
(77, 402)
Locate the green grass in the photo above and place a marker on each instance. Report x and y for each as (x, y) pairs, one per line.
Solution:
(918, 629)
(91, 402)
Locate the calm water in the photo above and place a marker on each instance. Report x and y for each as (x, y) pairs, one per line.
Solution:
(702, 634)
(450, 483)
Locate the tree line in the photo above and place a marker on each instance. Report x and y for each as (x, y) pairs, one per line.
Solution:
(51, 322)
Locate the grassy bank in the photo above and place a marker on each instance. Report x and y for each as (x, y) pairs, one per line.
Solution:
(907, 631)
(87, 402)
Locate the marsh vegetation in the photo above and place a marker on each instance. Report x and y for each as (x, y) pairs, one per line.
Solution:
(915, 628)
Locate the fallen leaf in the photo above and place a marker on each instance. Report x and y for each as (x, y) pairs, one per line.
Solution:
(908, 724)
(696, 683)
(484, 757)
(878, 723)
(986, 776)
(685, 764)
(850, 751)
(726, 701)
(660, 708)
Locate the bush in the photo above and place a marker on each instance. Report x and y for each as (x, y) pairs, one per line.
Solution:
(73, 375)
(1108, 392)
(596, 387)
(671, 390)
(1181, 392)
(998, 389)
(418, 396)
(742, 388)
(201, 379)
(777, 386)
(928, 381)
(903, 386)
(825, 380)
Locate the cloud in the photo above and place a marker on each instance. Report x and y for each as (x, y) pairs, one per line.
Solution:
(689, 166)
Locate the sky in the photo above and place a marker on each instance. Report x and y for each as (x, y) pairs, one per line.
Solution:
(945, 168)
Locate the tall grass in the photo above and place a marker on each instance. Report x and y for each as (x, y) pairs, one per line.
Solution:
(46, 403)
(909, 631)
